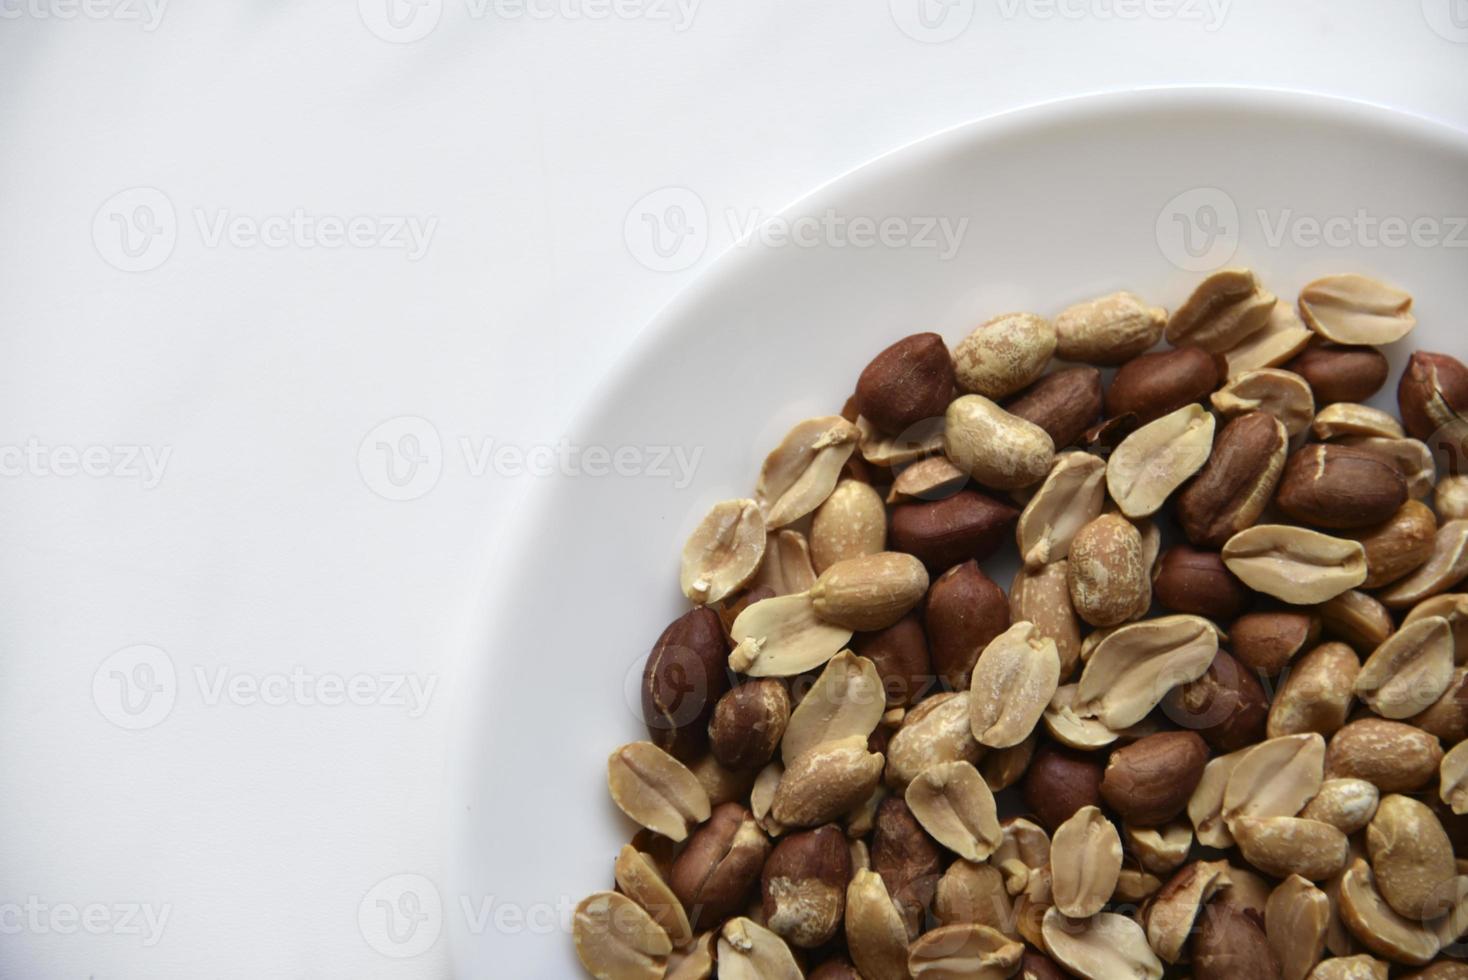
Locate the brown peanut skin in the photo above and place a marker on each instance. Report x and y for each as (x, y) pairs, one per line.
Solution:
(1103, 437)
(1455, 824)
(966, 610)
(713, 877)
(1341, 374)
(1229, 944)
(835, 969)
(1431, 378)
(749, 722)
(1188, 580)
(1267, 641)
(1059, 782)
(820, 861)
(1227, 706)
(1155, 384)
(1037, 966)
(685, 675)
(900, 653)
(1065, 404)
(1448, 717)
(907, 383)
(1399, 545)
(908, 861)
(1433, 397)
(1149, 782)
(1333, 486)
(942, 533)
(1236, 484)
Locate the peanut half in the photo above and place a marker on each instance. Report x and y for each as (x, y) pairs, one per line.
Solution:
(617, 940)
(1294, 564)
(954, 805)
(1071, 496)
(802, 471)
(1158, 458)
(656, 790)
(1012, 683)
(1085, 861)
(1352, 309)
(783, 636)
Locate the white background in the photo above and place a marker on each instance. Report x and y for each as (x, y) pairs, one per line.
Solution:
(254, 817)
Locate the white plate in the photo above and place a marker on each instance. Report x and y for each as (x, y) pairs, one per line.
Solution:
(1063, 202)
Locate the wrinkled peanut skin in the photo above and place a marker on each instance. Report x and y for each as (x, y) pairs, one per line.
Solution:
(1268, 641)
(943, 533)
(901, 655)
(1150, 781)
(720, 866)
(1433, 397)
(1341, 374)
(1189, 580)
(1230, 944)
(1065, 404)
(748, 723)
(836, 969)
(1153, 385)
(684, 677)
(1232, 489)
(966, 610)
(803, 886)
(1059, 782)
(908, 861)
(1340, 487)
(907, 383)
(1227, 706)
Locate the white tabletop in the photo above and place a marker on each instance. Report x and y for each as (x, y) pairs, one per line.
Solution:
(289, 294)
